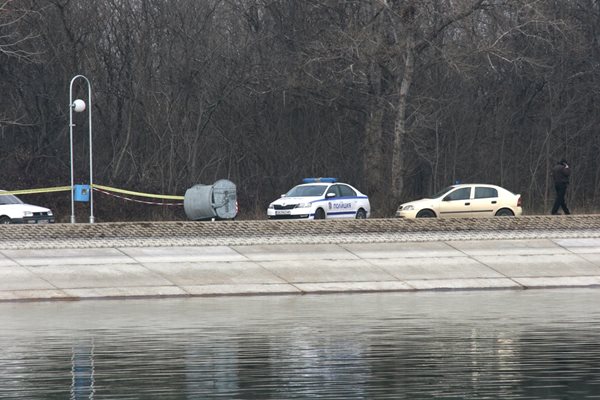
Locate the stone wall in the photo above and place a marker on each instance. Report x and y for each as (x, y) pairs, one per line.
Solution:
(263, 228)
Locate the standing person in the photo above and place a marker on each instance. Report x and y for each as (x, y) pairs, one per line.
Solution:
(561, 173)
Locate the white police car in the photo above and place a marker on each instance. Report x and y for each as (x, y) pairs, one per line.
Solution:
(320, 198)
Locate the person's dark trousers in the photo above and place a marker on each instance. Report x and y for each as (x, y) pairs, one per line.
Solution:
(559, 202)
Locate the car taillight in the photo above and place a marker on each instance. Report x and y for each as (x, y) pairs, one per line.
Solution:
(519, 202)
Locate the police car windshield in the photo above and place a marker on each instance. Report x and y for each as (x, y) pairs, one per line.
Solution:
(307, 191)
(441, 192)
(9, 199)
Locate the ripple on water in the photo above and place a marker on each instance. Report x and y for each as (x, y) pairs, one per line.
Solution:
(525, 345)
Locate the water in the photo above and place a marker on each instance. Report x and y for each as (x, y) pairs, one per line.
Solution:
(443, 345)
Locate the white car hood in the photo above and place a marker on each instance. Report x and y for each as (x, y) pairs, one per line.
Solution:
(23, 207)
(420, 203)
(294, 200)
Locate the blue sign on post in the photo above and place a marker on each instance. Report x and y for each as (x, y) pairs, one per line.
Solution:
(82, 193)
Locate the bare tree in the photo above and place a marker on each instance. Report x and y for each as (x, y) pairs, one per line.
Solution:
(398, 97)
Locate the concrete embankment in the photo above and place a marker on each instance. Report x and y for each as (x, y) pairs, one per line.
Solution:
(131, 260)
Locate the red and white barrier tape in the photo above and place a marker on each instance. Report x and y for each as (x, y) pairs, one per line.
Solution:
(138, 201)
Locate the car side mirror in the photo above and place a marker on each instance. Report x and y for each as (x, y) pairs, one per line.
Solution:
(330, 195)
(283, 195)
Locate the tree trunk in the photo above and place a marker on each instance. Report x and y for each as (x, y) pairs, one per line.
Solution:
(373, 147)
(398, 161)
(372, 160)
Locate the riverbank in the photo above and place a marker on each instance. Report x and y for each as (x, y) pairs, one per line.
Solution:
(132, 260)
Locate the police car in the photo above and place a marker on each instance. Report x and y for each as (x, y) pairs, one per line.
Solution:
(320, 198)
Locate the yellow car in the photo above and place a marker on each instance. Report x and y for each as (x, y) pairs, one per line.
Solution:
(467, 201)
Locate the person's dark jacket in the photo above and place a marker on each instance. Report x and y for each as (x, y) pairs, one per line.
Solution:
(561, 173)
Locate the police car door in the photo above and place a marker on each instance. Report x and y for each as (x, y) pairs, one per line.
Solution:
(333, 202)
(350, 201)
(341, 207)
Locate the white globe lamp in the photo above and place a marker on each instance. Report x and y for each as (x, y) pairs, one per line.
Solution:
(79, 105)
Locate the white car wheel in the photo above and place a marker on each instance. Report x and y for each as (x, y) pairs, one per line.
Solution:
(425, 214)
(504, 212)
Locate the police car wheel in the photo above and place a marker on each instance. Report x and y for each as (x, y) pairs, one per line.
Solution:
(320, 214)
(4, 220)
(361, 214)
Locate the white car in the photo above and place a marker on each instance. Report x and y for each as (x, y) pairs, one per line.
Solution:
(466, 200)
(15, 211)
(320, 198)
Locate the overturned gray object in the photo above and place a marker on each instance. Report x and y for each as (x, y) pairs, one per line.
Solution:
(218, 201)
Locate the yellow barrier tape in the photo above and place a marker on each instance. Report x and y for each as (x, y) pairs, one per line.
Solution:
(107, 188)
(155, 196)
(42, 190)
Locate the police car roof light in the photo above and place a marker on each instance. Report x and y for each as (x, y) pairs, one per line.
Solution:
(314, 180)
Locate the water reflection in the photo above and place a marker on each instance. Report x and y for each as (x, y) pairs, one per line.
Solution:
(82, 370)
(507, 344)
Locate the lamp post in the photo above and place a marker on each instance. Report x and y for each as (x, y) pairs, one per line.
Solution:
(80, 106)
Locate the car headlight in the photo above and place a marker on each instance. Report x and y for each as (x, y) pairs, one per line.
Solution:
(271, 206)
(302, 205)
(50, 213)
(27, 214)
(408, 208)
